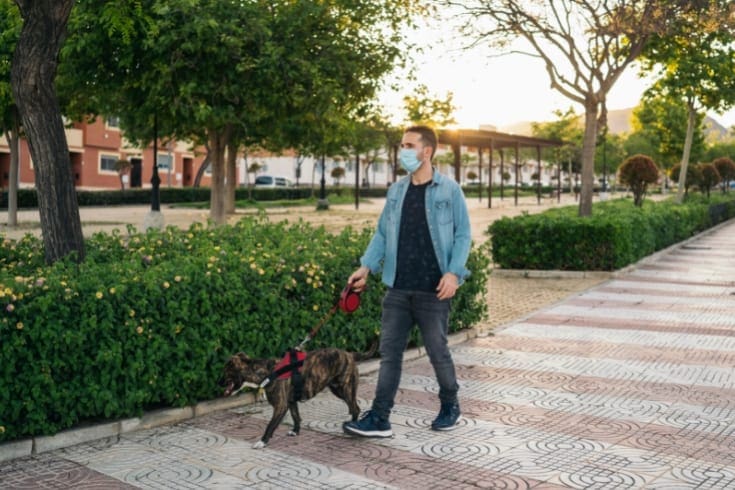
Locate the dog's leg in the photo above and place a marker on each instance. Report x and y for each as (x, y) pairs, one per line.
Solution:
(279, 411)
(294, 408)
(347, 392)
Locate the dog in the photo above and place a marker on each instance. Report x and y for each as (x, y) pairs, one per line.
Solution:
(333, 368)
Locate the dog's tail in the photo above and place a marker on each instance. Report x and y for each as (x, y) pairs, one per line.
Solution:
(364, 356)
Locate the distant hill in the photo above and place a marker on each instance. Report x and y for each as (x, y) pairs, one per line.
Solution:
(619, 122)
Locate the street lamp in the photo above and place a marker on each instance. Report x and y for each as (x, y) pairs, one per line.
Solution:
(154, 218)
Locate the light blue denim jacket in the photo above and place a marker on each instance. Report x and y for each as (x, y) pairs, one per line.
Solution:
(449, 227)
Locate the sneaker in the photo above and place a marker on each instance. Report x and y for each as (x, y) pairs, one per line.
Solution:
(447, 418)
(369, 425)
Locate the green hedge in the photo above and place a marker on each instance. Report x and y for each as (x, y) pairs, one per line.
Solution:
(148, 320)
(169, 195)
(616, 235)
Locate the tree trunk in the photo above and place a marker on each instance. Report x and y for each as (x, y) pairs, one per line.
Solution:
(13, 138)
(691, 120)
(32, 76)
(231, 178)
(217, 143)
(588, 158)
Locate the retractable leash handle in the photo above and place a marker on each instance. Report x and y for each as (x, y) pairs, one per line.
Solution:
(348, 301)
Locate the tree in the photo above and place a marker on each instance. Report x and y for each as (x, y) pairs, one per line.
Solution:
(123, 166)
(10, 25)
(337, 174)
(637, 172)
(695, 64)
(660, 126)
(228, 75)
(693, 177)
(32, 77)
(566, 128)
(726, 168)
(710, 177)
(585, 47)
(424, 108)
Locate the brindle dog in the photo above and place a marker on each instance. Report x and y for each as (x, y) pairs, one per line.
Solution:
(333, 368)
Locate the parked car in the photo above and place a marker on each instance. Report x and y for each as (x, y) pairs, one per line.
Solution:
(272, 181)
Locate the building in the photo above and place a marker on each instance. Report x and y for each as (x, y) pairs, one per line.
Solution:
(94, 150)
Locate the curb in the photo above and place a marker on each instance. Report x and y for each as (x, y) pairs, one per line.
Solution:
(41, 444)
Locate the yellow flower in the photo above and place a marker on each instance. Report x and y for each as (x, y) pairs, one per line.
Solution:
(2, 429)
(177, 278)
(139, 330)
(99, 294)
(131, 313)
(166, 285)
(261, 271)
(253, 266)
(112, 290)
(19, 325)
(315, 307)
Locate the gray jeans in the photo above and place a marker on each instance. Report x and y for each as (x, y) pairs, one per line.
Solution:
(401, 311)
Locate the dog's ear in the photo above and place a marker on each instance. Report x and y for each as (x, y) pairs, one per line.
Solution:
(242, 356)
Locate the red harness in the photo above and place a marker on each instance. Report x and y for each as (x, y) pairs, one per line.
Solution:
(292, 362)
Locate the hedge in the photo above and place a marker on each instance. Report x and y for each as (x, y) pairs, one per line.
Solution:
(616, 235)
(148, 320)
(168, 195)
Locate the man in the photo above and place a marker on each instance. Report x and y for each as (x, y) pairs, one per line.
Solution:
(421, 245)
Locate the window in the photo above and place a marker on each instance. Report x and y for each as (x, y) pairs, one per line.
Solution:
(107, 163)
(112, 122)
(165, 161)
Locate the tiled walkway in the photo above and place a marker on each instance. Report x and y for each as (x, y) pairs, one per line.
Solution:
(628, 385)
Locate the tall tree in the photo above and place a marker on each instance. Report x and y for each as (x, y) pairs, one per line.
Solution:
(662, 121)
(10, 25)
(585, 47)
(695, 67)
(234, 73)
(32, 76)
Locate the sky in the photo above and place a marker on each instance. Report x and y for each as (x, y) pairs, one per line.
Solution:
(503, 90)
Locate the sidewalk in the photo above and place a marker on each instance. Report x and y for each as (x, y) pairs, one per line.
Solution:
(628, 384)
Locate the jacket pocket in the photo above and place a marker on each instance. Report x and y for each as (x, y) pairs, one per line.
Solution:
(443, 210)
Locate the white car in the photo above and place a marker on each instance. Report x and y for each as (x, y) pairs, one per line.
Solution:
(271, 181)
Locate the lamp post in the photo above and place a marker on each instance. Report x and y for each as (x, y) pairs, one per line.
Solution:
(154, 218)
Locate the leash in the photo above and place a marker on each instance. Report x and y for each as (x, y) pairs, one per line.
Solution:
(348, 302)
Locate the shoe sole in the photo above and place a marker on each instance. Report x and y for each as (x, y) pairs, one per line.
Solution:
(356, 432)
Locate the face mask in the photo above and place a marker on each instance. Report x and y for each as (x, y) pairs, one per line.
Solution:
(409, 160)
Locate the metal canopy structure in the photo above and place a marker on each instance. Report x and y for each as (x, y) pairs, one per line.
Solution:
(491, 141)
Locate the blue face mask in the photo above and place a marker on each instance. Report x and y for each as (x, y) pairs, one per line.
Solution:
(409, 160)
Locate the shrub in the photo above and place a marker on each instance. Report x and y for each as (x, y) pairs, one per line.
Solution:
(693, 176)
(637, 172)
(726, 168)
(148, 320)
(616, 235)
(709, 179)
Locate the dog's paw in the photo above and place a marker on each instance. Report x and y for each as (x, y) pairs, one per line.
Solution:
(292, 433)
(259, 445)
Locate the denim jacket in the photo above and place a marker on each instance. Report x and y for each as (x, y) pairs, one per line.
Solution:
(449, 227)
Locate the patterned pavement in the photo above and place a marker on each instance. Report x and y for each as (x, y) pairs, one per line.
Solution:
(630, 384)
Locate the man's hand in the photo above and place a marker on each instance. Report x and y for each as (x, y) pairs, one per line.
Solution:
(358, 279)
(447, 286)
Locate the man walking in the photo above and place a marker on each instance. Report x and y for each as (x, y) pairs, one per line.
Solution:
(421, 245)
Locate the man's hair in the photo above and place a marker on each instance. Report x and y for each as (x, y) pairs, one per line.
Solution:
(428, 136)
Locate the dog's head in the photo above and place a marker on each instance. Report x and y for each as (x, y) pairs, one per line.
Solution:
(238, 370)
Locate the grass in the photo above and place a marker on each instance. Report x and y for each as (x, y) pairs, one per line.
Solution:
(281, 203)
